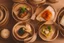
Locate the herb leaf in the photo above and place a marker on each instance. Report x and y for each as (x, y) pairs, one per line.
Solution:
(22, 9)
(49, 28)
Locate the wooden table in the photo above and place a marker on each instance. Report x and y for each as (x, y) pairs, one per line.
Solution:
(11, 23)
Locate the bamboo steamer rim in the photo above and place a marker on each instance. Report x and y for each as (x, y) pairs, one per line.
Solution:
(36, 3)
(1, 16)
(16, 25)
(57, 33)
(53, 1)
(17, 19)
(20, 1)
(60, 11)
(3, 22)
(61, 33)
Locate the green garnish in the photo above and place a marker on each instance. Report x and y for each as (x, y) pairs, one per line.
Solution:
(49, 28)
(22, 9)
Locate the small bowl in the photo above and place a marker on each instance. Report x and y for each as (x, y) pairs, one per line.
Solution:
(15, 11)
(4, 15)
(16, 36)
(53, 37)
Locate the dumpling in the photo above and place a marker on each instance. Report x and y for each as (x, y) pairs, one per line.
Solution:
(5, 33)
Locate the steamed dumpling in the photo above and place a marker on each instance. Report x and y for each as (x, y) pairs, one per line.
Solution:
(5, 33)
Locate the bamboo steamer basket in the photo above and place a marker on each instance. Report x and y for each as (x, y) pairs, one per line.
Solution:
(4, 16)
(21, 19)
(18, 38)
(55, 35)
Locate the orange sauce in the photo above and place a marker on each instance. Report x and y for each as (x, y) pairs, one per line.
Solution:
(46, 15)
(24, 14)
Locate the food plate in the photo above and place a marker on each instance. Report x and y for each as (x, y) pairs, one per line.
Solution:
(9, 4)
